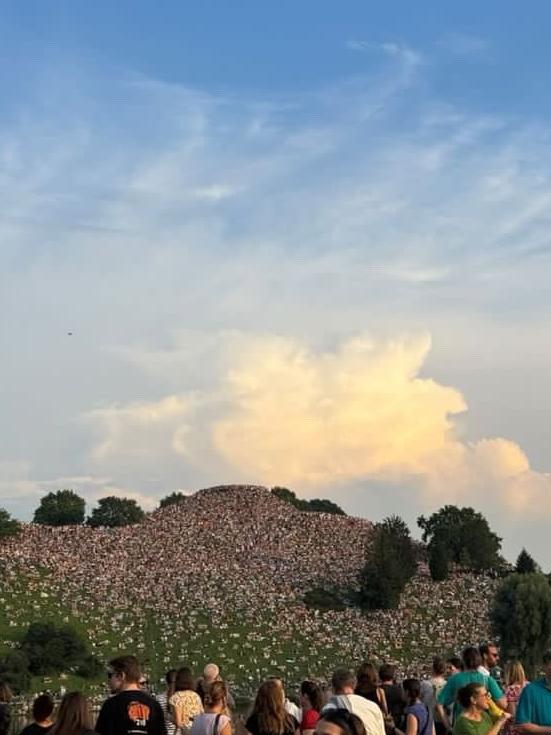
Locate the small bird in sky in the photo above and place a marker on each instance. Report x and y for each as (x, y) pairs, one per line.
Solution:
(69, 334)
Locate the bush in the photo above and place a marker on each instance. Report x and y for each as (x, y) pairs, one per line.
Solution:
(172, 499)
(63, 508)
(8, 525)
(14, 668)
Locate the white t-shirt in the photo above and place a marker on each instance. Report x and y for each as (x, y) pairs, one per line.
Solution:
(368, 712)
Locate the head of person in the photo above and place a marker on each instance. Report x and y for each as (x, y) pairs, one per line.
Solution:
(343, 681)
(122, 672)
(438, 666)
(490, 655)
(43, 706)
(340, 722)
(269, 707)
(216, 695)
(184, 680)
(387, 673)
(471, 658)
(547, 664)
(143, 683)
(412, 689)
(514, 673)
(311, 696)
(367, 676)
(211, 673)
(473, 696)
(5, 692)
(74, 715)
(170, 680)
(453, 665)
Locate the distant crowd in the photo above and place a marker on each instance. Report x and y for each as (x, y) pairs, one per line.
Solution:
(471, 695)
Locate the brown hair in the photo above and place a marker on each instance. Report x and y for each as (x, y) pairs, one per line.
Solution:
(184, 680)
(367, 680)
(127, 665)
(215, 693)
(5, 692)
(269, 708)
(73, 716)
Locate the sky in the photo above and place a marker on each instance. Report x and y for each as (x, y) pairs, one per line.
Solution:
(293, 243)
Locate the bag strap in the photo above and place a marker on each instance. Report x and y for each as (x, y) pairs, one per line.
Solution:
(216, 723)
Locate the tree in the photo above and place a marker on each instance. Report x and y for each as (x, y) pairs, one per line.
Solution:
(390, 564)
(8, 525)
(172, 499)
(52, 649)
(14, 668)
(317, 505)
(63, 508)
(521, 617)
(465, 534)
(525, 564)
(113, 511)
(322, 505)
(439, 562)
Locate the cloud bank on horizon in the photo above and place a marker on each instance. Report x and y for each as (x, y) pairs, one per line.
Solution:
(250, 282)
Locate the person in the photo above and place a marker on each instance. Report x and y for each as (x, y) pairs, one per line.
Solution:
(431, 688)
(74, 716)
(368, 686)
(489, 654)
(5, 711)
(419, 719)
(269, 715)
(130, 711)
(164, 698)
(43, 707)
(213, 721)
(453, 665)
(470, 675)
(475, 718)
(185, 703)
(311, 702)
(339, 722)
(394, 694)
(515, 681)
(211, 673)
(344, 683)
(533, 715)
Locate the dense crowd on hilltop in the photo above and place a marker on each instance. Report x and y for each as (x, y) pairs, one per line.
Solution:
(237, 553)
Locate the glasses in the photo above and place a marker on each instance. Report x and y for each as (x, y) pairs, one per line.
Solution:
(110, 674)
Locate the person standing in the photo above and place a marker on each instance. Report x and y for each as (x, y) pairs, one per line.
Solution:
(533, 716)
(43, 707)
(343, 683)
(74, 716)
(475, 718)
(213, 721)
(131, 711)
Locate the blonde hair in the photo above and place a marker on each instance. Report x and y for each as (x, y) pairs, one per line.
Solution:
(514, 673)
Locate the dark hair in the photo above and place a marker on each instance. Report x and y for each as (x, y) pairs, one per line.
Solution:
(127, 665)
(367, 681)
(471, 658)
(438, 666)
(484, 648)
(456, 662)
(269, 708)
(311, 690)
(170, 678)
(348, 722)
(43, 706)
(412, 688)
(73, 716)
(466, 693)
(5, 692)
(184, 680)
(387, 672)
(342, 678)
(546, 656)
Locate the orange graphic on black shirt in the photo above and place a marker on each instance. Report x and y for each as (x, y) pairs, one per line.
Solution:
(139, 713)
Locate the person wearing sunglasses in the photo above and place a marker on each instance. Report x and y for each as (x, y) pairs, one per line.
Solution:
(475, 718)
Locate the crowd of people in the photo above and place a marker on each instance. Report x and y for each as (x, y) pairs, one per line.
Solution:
(226, 570)
(468, 696)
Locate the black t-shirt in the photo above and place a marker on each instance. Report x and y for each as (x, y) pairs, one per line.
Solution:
(35, 729)
(396, 702)
(131, 712)
(253, 726)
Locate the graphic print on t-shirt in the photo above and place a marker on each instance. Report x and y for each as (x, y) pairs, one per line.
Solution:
(139, 713)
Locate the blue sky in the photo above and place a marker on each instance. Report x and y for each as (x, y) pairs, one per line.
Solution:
(296, 243)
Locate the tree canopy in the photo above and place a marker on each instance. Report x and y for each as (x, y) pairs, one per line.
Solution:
(62, 508)
(316, 505)
(521, 617)
(172, 499)
(112, 511)
(525, 564)
(391, 562)
(465, 536)
(8, 525)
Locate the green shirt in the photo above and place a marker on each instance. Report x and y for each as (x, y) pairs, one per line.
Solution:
(448, 695)
(464, 726)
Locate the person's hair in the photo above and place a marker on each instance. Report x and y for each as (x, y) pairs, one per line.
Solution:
(367, 680)
(546, 658)
(387, 672)
(43, 706)
(456, 662)
(471, 658)
(269, 708)
(412, 688)
(466, 693)
(127, 665)
(343, 678)
(484, 648)
(211, 672)
(514, 673)
(215, 693)
(348, 722)
(184, 680)
(5, 692)
(73, 715)
(311, 690)
(438, 666)
(170, 678)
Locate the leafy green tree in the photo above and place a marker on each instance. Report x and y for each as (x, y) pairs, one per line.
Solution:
(317, 505)
(53, 649)
(288, 496)
(521, 618)
(525, 564)
(8, 525)
(14, 668)
(391, 563)
(172, 499)
(63, 508)
(113, 511)
(322, 505)
(465, 534)
(439, 562)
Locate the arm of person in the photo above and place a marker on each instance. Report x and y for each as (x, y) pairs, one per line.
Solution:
(176, 715)
(226, 729)
(529, 728)
(381, 696)
(496, 693)
(443, 716)
(498, 724)
(412, 725)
